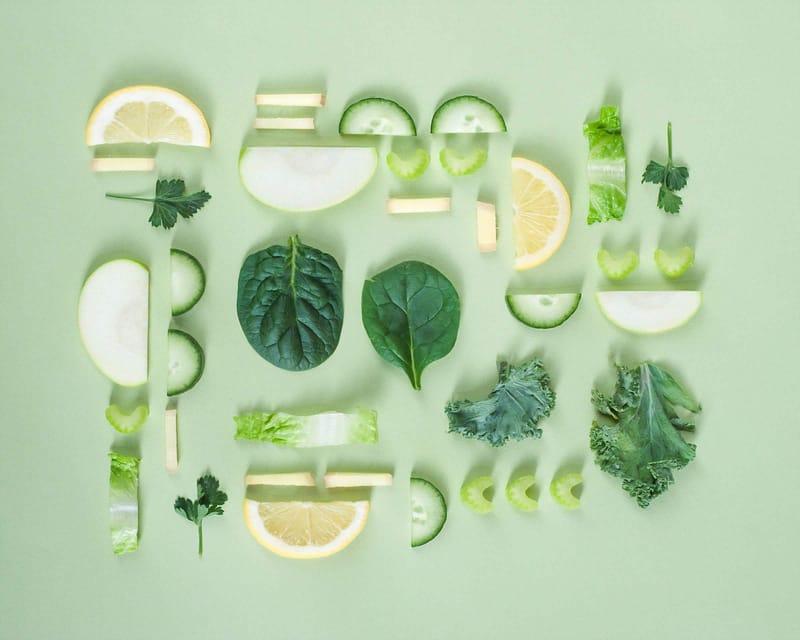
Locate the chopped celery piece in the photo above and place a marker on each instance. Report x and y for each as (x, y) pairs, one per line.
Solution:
(674, 266)
(517, 493)
(473, 494)
(127, 422)
(617, 268)
(561, 489)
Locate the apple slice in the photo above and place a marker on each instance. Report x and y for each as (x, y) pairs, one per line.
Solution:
(648, 311)
(113, 320)
(306, 178)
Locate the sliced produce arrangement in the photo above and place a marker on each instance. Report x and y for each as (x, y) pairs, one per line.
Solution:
(562, 489)
(185, 362)
(428, 511)
(409, 167)
(187, 279)
(458, 164)
(314, 100)
(306, 178)
(418, 205)
(124, 503)
(169, 202)
(377, 117)
(670, 178)
(486, 227)
(209, 502)
(617, 267)
(467, 114)
(290, 304)
(517, 493)
(542, 310)
(411, 314)
(147, 114)
(513, 410)
(318, 430)
(127, 422)
(113, 320)
(674, 265)
(640, 441)
(649, 311)
(605, 169)
(473, 494)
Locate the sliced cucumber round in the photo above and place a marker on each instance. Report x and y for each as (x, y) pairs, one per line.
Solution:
(462, 164)
(617, 268)
(561, 489)
(186, 361)
(517, 493)
(409, 168)
(376, 117)
(473, 494)
(188, 281)
(674, 266)
(428, 512)
(467, 114)
(127, 422)
(543, 310)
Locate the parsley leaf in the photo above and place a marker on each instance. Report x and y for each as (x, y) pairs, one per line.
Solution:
(170, 201)
(671, 178)
(209, 502)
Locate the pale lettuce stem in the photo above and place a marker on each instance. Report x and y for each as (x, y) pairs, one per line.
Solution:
(669, 142)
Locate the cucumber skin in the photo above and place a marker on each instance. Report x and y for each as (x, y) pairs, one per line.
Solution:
(431, 490)
(183, 258)
(537, 324)
(391, 104)
(182, 335)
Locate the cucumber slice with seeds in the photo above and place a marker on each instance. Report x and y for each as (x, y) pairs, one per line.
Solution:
(188, 281)
(467, 114)
(543, 310)
(561, 489)
(473, 494)
(409, 168)
(674, 266)
(127, 422)
(185, 362)
(617, 268)
(376, 117)
(462, 164)
(517, 493)
(428, 512)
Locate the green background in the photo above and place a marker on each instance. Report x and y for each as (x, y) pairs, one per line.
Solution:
(715, 557)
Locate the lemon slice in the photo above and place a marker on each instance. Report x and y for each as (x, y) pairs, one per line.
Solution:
(305, 529)
(541, 212)
(144, 114)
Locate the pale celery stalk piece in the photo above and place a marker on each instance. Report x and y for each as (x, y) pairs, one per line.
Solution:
(124, 503)
(517, 493)
(486, 224)
(409, 167)
(317, 430)
(127, 422)
(674, 265)
(418, 205)
(291, 479)
(473, 494)
(108, 165)
(617, 267)
(171, 440)
(343, 479)
(561, 488)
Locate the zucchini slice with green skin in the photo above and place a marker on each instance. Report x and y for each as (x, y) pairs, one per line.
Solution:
(517, 493)
(409, 168)
(462, 164)
(127, 422)
(473, 494)
(674, 265)
(561, 489)
(617, 268)
(376, 117)
(543, 310)
(188, 281)
(467, 114)
(185, 362)
(428, 512)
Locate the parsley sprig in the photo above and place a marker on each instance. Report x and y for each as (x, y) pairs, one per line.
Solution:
(671, 178)
(209, 502)
(170, 201)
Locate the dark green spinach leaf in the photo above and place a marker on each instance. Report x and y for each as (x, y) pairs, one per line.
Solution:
(411, 313)
(290, 304)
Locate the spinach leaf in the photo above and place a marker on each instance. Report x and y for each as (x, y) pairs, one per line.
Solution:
(411, 313)
(290, 304)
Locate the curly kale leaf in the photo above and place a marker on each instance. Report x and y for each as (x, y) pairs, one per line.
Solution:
(513, 409)
(643, 445)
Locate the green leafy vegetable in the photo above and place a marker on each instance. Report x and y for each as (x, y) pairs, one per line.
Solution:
(513, 409)
(670, 177)
(411, 313)
(643, 444)
(290, 304)
(319, 430)
(209, 502)
(170, 201)
(606, 167)
(124, 502)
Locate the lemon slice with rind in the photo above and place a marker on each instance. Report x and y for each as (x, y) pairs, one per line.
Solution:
(146, 114)
(305, 529)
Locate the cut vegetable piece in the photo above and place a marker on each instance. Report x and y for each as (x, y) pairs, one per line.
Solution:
(341, 479)
(188, 281)
(185, 362)
(541, 212)
(113, 320)
(409, 168)
(467, 114)
(473, 494)
(297, 479)
(123, 164)
(543, 310)
(127, 422)
(377, 117)
(649, 311)
(171, 440)
(284, 123)
(124, 503)
(674, 266)
(418, 205)
(146, 114)
(305, 529)
(306, 178)
(290, 99)
(617, 268)
(606, 167)
(517, 493)
(561, 489)
(318, 430)
(462, 164)
(486, 224)
(428, 512)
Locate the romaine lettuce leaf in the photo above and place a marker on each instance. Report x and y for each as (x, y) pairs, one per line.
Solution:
(124, 502)
(606, 167)
(318, 430)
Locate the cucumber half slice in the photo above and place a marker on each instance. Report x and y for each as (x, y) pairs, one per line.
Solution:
(543, 310)
(188, 281)
(428, 512)
(376, 117)
(186, 361)
(467, 114)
